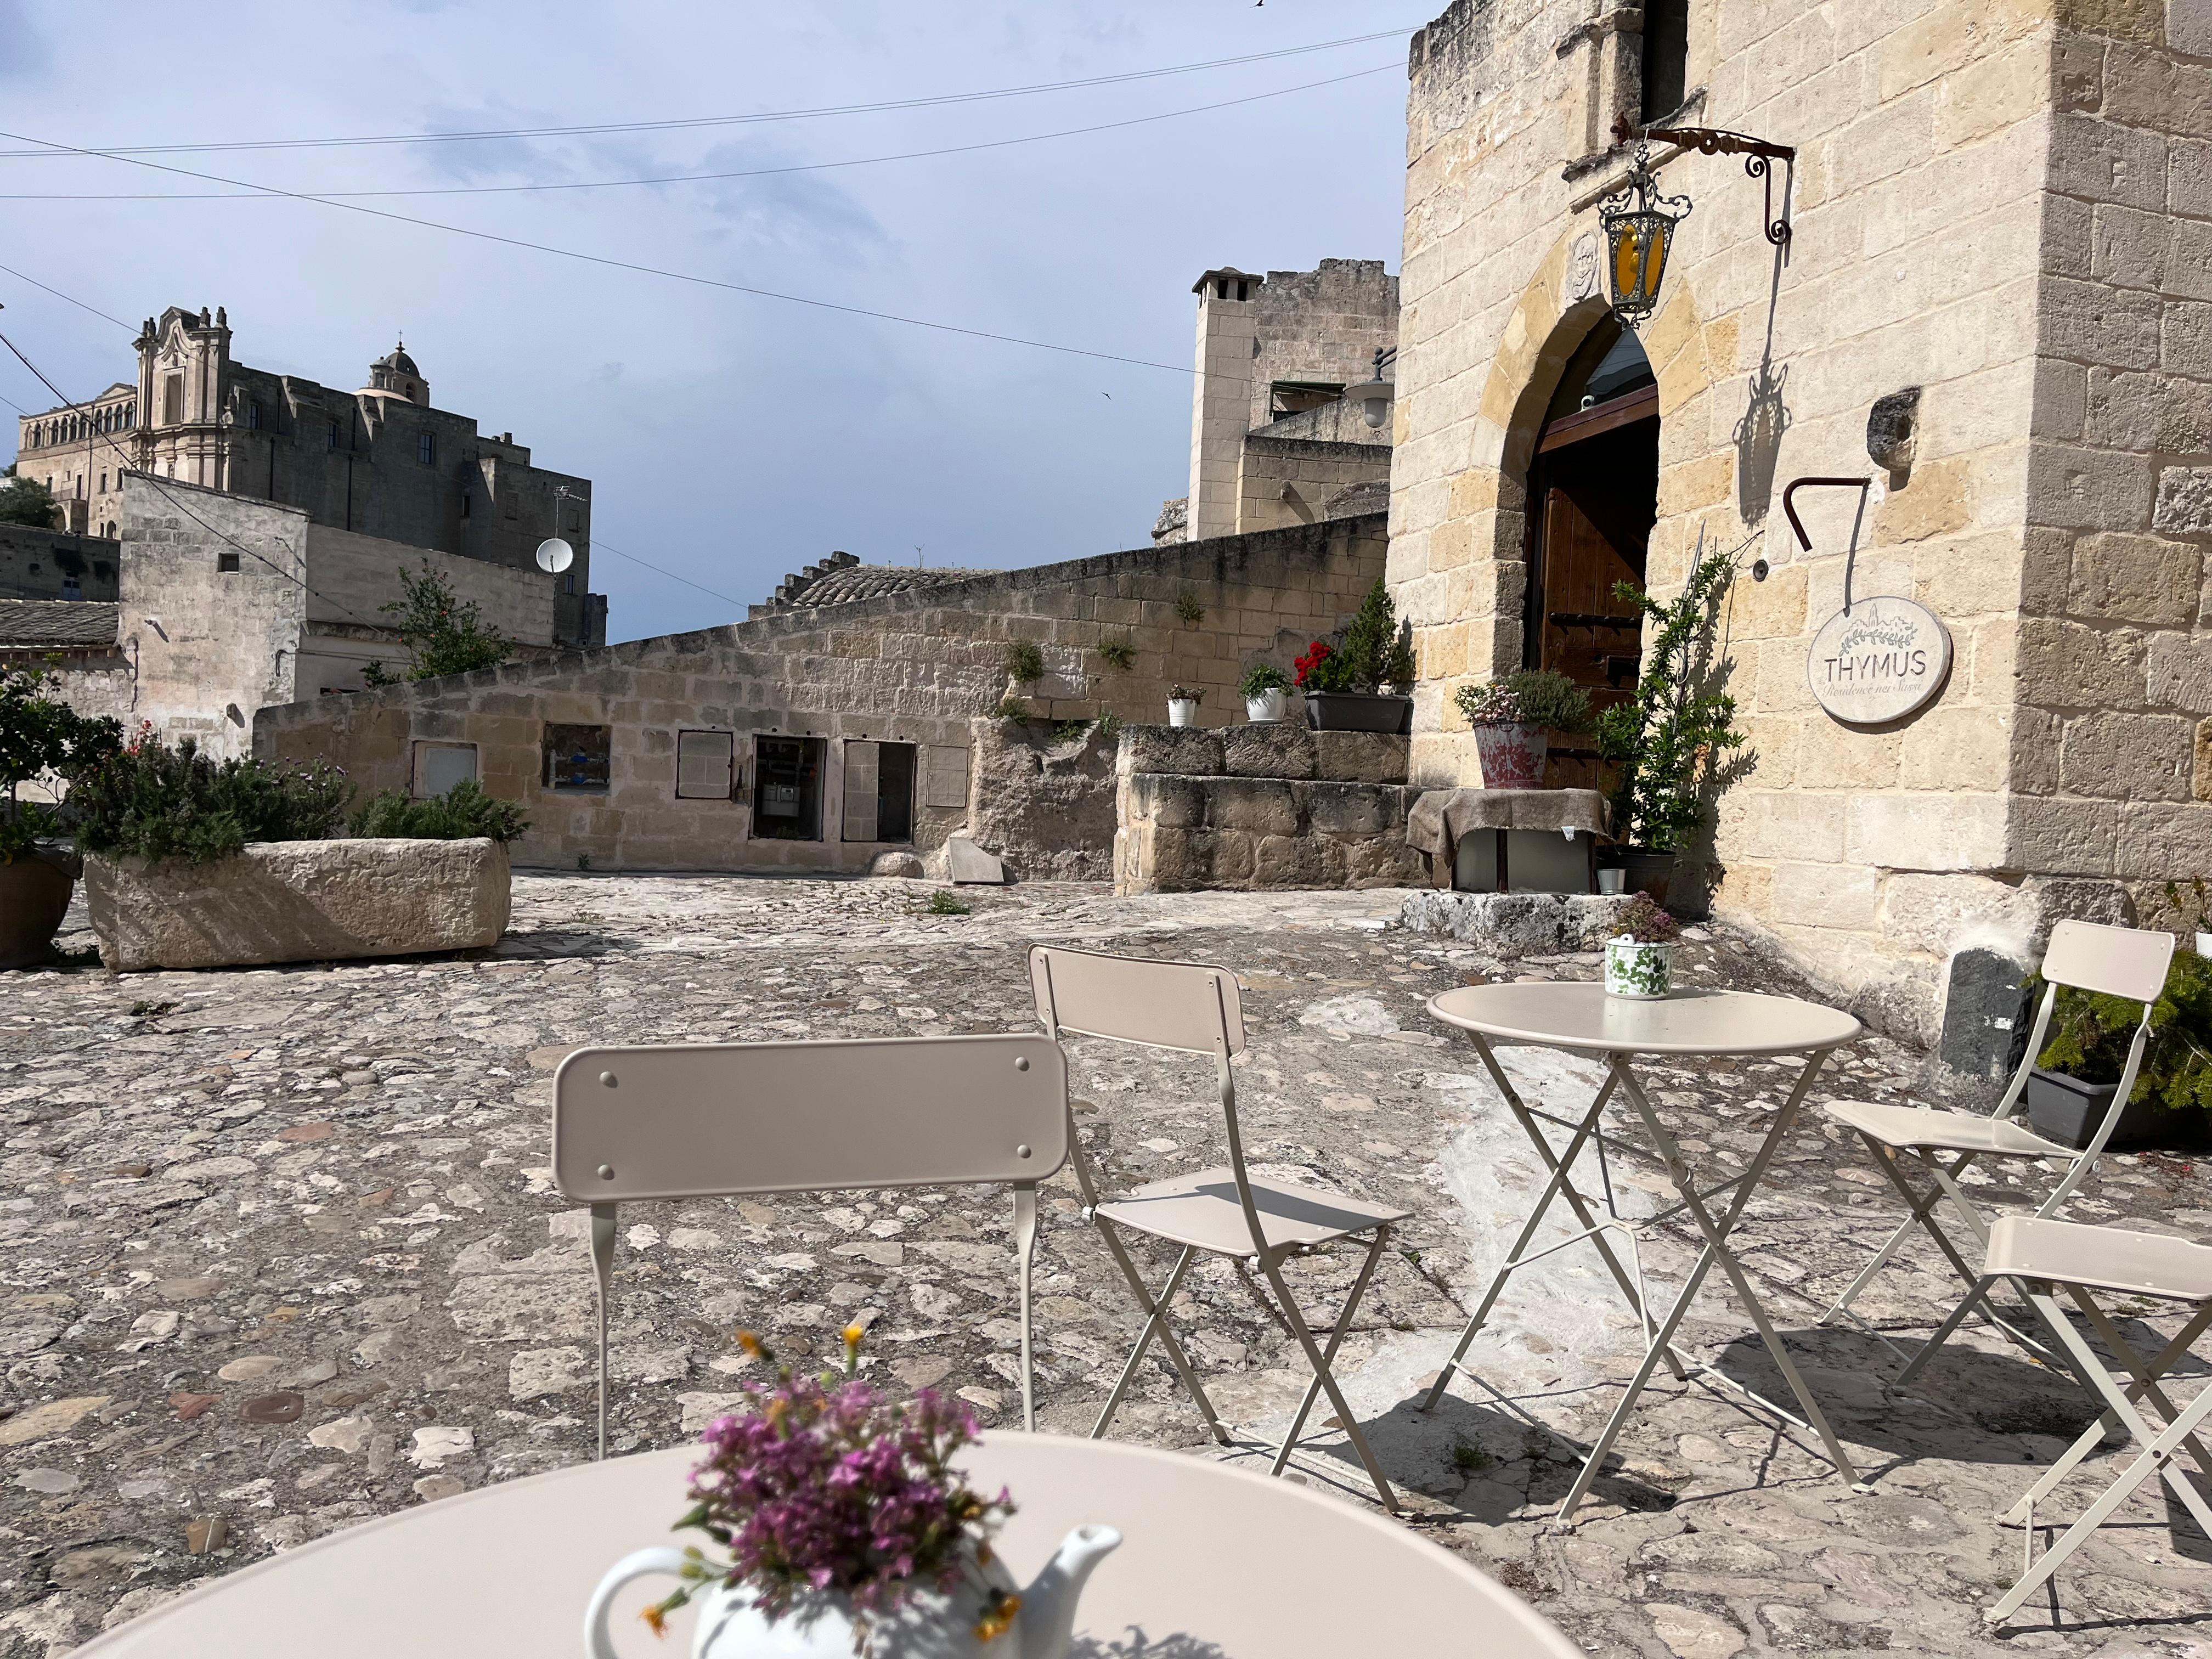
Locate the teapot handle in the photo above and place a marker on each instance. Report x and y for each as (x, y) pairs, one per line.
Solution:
(597, 1644)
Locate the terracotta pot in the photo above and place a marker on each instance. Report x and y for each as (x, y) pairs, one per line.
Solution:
(1512, 755)
(34, 897)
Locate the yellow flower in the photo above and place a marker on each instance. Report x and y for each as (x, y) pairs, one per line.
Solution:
(653, 1618)
(751, 1344)
(853, 1333)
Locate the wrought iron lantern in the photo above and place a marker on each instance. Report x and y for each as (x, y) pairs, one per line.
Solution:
(1640, 231)
(1639, 223)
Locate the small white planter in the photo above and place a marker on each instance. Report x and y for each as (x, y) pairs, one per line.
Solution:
(1613, 879)
(1643, 972)
(1266, 707)
(2204, 944)
(1182, 711)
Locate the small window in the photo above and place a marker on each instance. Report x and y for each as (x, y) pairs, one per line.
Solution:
(253, 417)
(465, 499)
(226, 562)
(173, 399)
(331, 440)
(426, 448)
(705, 765)
(103, 483)
(440, 766)
(1666, 57)
(70, 590)
(576, 757)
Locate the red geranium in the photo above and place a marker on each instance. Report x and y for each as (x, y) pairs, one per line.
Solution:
(1316, 654)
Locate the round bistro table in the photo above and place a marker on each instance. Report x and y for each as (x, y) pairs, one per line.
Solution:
(1579, 1016)
(1216, 1562)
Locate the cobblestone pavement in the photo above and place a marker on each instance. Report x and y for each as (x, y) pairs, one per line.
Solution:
(280, 1249)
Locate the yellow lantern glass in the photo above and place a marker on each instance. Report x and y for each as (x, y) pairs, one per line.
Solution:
(1640, 238)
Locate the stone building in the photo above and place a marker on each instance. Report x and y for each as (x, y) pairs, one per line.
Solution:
(851, 721)
(1272, 440)
(1994, 306)
(379, 462)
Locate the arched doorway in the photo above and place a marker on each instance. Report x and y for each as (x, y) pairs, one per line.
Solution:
(1593, 497)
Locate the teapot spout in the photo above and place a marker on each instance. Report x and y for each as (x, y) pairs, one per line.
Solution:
(1047, 1616)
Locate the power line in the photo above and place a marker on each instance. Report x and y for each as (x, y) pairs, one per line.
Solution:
(602, 259)
(76, 408)
(257, 194)
(599, 546)
(695, 122)
(72, 299)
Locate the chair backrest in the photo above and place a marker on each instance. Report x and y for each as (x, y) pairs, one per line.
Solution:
(715, 1119)
(2119, 962)
(2106, 1258)
(1162, 1005)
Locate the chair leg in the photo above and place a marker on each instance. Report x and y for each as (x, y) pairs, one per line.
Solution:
(1916, 1216)
(2156, 1456)
(1977, 1286)
(1026, 1235)
(603, 1270)
(1156, 1324)
(1268, 1265)
(1328, 1354)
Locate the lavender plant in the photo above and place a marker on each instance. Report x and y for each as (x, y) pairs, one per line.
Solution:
(826, 1486)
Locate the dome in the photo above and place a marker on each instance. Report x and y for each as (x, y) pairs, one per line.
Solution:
(398, 361)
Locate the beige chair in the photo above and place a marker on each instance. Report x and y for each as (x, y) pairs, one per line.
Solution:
(2040, 1255)
(2121, 961)
(725, 1120)
(1190, 1009)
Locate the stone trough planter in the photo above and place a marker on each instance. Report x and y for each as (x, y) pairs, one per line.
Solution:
(299, 901)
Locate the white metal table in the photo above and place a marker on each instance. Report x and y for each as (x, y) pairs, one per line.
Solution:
(1216, 1561)
(1580, 1018)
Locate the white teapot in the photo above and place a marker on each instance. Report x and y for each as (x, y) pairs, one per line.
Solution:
(931, 1624)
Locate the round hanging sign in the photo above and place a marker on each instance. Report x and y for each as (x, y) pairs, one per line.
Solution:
(1880, 660)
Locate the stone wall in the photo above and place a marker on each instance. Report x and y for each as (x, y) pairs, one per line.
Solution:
(1288, 481)
(1265, 806)
(36, 564)
(917, 667)
(2000, 209)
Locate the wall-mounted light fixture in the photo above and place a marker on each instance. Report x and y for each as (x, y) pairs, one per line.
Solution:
(1374, 397)
(1639, 223)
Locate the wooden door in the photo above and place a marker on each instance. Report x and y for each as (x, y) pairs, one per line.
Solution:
(1600, 497)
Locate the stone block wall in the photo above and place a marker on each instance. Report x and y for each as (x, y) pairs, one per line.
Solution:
(1286, 481)
(35, 564)
(919, 666)
(1262, 806)
(2000, 205)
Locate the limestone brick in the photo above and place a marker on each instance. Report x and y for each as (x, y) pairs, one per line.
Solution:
(2127, 756)
(2180, 672)
(2065, 665)
(2185, 501)
(1824, 895)
(2158, 841)
(2059, 835)
(1957, 748)
(2122, 577)
(1919, 832)
(2201, 779)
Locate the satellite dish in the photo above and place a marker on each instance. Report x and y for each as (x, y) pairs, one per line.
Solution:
(555, 555)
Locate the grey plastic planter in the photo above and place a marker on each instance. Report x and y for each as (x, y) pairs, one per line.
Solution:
(1359, 711)
(2068, 1110)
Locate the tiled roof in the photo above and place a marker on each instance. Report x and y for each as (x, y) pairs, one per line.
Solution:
(873, 581)
(56, 624)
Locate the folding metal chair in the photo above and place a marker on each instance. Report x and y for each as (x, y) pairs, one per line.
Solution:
(1191, 1009)
(2121, 961)
(2038, 1254)
(726, 1120)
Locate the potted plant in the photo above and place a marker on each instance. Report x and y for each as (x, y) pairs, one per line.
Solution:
(1513, 719)
(1348, 686)
(847, 1531)
(41, 739)
(1264, 688)
(1182, 706)
(2071, 1087)
(1675, 741)
(1639, 959)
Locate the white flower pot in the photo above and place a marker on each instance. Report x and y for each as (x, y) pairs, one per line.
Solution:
(1642, 973)
(2204, 944)
(1266, 707)
(1182, 711)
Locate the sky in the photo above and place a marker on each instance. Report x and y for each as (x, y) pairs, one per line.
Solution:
(731, 438)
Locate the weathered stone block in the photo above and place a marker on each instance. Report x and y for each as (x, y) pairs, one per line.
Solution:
(1260, 806)
(1381, 861)
(1361, 757)
(1268, 749)
(1191, 749)
(2140, 579)
(1286, 861)
(1513, 925)
(299, 901)
(2185, 501)
(1348, 809)
(1172, 802)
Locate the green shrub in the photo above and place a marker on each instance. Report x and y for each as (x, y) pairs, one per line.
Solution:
(462, 813)
(1024, 662)
(42, 739)
(1535, 696)
(1009, 708)
(942, 903)
(2090, 1033)
(1375, 652)
(1189, 608)
(1117, 654)
(1262, 678)
(444, 633)
(155, 802)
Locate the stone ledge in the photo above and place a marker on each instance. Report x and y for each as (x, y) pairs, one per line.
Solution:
(299, 901)
(1517, 923)
(1263, 749)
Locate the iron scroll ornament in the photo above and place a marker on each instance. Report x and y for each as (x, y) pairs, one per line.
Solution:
(1758, 156)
